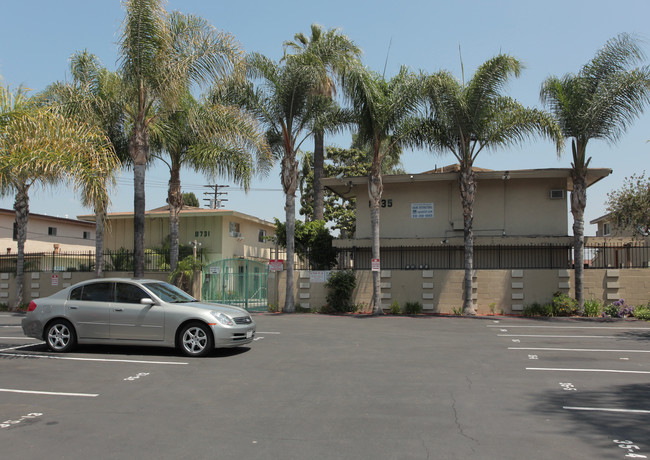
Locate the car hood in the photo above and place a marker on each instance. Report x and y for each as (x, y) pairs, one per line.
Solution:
(227, 309)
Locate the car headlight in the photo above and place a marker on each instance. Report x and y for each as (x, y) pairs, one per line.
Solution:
(222, 318)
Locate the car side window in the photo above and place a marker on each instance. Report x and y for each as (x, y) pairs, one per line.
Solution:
(98, 292)
(75, 294)
(129, 293)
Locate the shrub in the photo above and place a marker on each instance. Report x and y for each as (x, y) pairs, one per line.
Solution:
(537, 309)
(339, 292)
(412, 308)
(593, 308)
(395, 308)
(642, 312)
(563, 305)
(618, 309)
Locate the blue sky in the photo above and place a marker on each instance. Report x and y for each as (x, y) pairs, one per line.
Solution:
(553, 37)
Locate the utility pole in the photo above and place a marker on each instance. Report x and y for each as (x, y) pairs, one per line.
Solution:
(214, 202)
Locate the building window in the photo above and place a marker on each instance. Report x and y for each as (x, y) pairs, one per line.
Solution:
(234, 229)
(15, 233)
(607, 229)
(261, 236)
(51, 231)
(86, 235)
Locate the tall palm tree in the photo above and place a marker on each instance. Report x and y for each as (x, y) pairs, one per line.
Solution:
(283, 98)
(599, 102)
(331, 54)
(39, 146)
(466, 119)
(93, 96)
(384, 113)
(214, 139)
(161, 55)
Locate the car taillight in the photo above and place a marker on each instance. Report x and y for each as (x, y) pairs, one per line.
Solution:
(32, 306)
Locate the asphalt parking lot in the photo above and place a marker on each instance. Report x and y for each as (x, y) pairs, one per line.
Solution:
(321, 387)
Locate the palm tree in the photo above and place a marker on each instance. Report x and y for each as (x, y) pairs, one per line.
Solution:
(283, 98)
(597, 103)
(214, 139)
(468, 118)
(161, 56)
(93, 96)
(331, 54)
(39, 146)
(384, 113)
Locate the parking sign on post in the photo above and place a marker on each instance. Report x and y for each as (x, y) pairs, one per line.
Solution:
(375, 265)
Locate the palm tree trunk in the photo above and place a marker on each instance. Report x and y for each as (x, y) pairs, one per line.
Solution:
(175, 200)
(375, 190)
(139, 151)
(578, 205)
(289, 177)
(21, 207)
(467, 184)
(100, 219)
(319, 166)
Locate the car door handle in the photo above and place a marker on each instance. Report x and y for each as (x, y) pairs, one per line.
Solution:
(118, 309)
(73, 308)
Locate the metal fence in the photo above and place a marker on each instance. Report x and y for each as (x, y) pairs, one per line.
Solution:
(115, 260)
(494, 257)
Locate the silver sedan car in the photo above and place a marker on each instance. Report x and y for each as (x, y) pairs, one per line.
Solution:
(135, 312)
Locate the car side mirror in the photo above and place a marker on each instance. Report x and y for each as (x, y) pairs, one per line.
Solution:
(147, 301)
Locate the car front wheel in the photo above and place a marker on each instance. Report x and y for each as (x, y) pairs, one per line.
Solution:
(60, 336)
(195, 340)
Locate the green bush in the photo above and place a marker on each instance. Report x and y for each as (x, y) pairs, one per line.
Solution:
(593, 308)
(642, 312)
(412, 308)
(339, 292)
(395, 308)
(537, 309)
(563, 305)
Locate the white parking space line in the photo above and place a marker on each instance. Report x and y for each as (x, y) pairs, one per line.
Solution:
(611, 371)
(50, 393)
(101, 360)
(578, 349)
(9, 327)
(261, 332)
(17, 338)
(574, 327)
(563, 336)
(17, 347)
(603, 409)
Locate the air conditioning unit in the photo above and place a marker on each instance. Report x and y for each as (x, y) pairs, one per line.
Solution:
(556, 194)
(235, 234)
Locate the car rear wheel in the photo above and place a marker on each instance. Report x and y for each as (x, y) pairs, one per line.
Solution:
(60, 336)
(195, 340)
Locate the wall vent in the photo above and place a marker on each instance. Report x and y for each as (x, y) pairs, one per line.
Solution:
(556, 194)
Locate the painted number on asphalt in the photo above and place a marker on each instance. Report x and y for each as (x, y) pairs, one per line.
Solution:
(516, 340)
(137, 376)
(10, 423)
(532, 357)
(568, 386)
(630, 447)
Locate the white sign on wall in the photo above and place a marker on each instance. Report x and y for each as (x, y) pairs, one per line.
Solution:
(421, 210)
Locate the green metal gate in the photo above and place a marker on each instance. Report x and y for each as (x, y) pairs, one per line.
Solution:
(239, 282)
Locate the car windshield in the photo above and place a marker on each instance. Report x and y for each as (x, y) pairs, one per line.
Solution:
(169, 293)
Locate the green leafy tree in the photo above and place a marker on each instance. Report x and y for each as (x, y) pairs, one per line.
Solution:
(599, 102)
(331, 54)
(629, 206)
(467, 118)
(190, 199)
(384, 116)
(313, 242)
(41, 147)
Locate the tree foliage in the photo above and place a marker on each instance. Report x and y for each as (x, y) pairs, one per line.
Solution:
(629, 206)
(190, 199)
(313, 242)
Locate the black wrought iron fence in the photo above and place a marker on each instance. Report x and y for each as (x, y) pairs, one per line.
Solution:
(542, 256)
(84, 261)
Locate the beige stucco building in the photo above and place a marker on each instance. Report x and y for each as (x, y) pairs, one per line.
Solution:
(47, 234)
(219, 233)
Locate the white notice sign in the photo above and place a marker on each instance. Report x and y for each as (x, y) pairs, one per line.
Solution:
(421, 210)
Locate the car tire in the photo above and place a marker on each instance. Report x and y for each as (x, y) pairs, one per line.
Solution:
(195, 340)
(60, 336)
